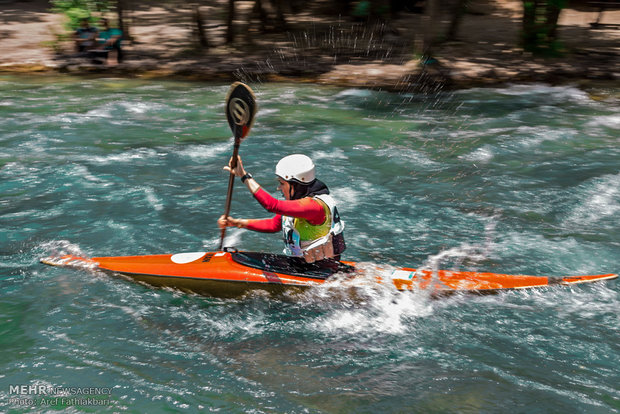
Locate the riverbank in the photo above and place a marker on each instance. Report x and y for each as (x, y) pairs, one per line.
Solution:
(333, 51)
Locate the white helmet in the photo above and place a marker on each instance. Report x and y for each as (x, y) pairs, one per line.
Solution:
(296, 167)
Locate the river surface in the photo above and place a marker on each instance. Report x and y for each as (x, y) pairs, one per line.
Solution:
(518, 179)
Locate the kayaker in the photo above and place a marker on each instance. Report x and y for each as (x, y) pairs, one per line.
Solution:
(308, 217)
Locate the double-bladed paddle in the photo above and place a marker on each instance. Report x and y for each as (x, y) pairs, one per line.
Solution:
(240, 110)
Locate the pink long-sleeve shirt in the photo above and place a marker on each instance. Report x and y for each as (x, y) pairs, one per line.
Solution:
(306, 208)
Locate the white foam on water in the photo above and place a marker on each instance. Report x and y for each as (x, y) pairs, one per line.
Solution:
(234, 325)
(578, 301)
(364, 305)
(357, 93)
(81, 171)
(152, 198)
(135, 310)
(528, 137)
(349, 197)
(563, 256)
(61, 247)
(19, 214)
(233, 238)
(123, 157)
(324, 139)
(471, 254)
(142, 107)
(13, 168)
(52, 252)
(323, 101)
(38, 144)
(599, 202)
(559, 93)
(483, 154)
(408, 155)
(608, 121)
(454, 257)
(116, 225)
(104, 111)
(268, 111)
(333, 154)
(204, 152)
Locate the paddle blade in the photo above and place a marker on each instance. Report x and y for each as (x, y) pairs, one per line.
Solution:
(240, 109)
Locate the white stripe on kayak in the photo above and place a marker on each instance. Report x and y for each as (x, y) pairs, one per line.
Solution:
(184, 258)
(402, 274)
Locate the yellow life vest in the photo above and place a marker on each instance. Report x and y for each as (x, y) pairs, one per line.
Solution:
(315, 242)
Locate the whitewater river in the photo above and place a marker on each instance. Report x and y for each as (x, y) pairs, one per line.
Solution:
(519, 179)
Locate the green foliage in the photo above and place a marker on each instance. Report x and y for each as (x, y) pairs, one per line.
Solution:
(540, 20)
(76, 10)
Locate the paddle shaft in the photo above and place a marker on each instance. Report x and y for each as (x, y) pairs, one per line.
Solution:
(231, 184)
(240, 110)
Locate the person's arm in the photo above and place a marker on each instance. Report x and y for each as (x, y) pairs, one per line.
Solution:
(270, 225)
(306, 208)
(240, 172)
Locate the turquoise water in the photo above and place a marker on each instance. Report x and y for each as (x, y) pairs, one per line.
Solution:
(520, 179)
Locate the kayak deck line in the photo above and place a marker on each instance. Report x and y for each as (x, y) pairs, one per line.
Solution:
(232, 274)
(573, 280)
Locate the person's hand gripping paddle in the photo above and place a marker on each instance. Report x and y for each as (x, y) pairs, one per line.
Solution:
(240, 110)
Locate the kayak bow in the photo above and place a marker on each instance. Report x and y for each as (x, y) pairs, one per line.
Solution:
(233, 274)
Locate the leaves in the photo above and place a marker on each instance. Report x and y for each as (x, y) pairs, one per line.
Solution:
(76, 10)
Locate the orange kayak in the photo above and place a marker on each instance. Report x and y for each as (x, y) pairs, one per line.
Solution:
(233, 274)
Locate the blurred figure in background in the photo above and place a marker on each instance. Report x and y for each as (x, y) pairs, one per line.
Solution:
(85, 36)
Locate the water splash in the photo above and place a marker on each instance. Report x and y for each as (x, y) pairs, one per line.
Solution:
(58, 248)
(365, 305)
(466, 254)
